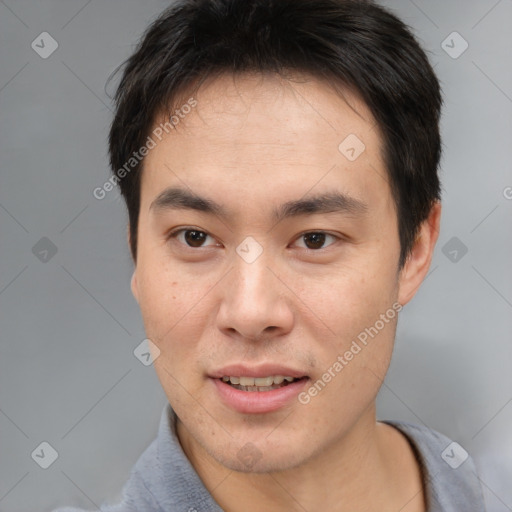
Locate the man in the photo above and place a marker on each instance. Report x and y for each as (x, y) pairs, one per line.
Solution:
(279, 159)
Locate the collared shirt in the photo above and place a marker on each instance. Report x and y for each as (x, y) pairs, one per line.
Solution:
(164, 480)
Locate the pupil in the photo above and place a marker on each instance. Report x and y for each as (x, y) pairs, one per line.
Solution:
(194, 238)
(318, 240)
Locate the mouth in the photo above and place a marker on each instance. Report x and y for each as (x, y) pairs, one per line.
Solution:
(262, 384)
(257, 389)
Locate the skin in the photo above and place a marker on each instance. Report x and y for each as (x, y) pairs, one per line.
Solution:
(251, 144)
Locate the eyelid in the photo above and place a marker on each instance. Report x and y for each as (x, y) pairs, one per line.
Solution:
(336, 237)
(175, 232)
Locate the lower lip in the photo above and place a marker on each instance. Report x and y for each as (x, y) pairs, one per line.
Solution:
(256, 402)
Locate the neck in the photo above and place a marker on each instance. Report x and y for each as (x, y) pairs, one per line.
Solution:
(371, 467)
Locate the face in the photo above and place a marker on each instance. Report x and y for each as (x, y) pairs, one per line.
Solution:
(268, 248)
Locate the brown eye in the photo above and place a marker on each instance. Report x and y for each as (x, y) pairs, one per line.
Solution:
(194, 238)
(314, 240)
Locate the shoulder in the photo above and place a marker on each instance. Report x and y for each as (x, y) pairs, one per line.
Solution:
(135, 495)
(162, 478)
(449, 474)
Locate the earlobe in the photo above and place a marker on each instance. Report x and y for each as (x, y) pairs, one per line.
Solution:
(133, 282)
(416, 267)
(134, 285)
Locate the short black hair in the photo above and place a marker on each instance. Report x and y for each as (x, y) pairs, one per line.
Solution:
(356, 44)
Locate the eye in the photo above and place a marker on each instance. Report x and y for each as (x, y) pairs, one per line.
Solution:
(190, 237)
(315, 240)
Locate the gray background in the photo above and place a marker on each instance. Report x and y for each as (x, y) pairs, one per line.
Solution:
(68, 375)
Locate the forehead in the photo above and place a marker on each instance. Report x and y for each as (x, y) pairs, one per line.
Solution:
(262, 130)
(273, 110)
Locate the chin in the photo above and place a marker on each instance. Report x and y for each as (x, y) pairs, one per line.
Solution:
(257, 458)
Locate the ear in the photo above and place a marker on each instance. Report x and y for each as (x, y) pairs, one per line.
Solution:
(134, 286)
(416, 267)
(133, 283)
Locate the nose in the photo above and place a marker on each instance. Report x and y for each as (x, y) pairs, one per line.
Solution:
(255, 303)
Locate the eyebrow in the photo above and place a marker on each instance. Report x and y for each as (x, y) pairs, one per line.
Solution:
(329, 202)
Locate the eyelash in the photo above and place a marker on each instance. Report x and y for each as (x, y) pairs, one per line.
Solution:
(174, 234)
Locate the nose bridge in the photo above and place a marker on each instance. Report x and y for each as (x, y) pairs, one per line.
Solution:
(252, 279)
(253, 300)
(251, 260)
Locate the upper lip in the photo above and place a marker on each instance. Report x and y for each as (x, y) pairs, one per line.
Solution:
(262, 370)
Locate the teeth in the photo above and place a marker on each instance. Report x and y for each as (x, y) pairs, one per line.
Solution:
(244, 381)
(258, 381)
(264, 381)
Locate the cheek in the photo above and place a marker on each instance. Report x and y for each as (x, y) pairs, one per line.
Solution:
(170, 305)
(174, 320)
(351, 297)
(358, 310)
